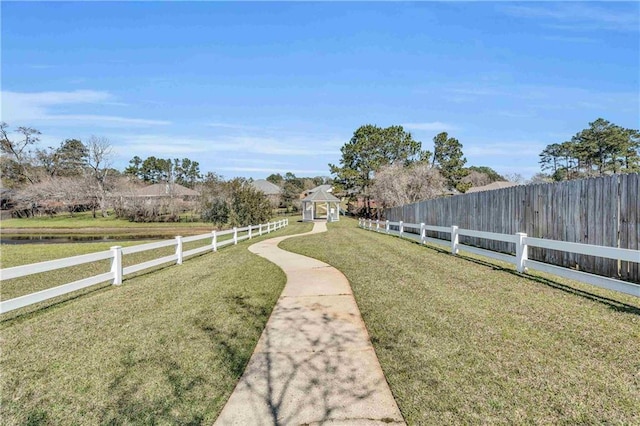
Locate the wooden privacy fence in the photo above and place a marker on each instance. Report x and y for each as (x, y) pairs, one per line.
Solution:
(601, 211)
(117, 271)
(523, 244)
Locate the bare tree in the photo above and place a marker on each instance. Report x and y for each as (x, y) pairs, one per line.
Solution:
(18, 150)
(99, 159)
(395, 185)
(515, 178)
(53, 195)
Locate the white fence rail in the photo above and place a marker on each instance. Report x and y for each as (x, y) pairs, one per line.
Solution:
(522, 243)
(117, 271)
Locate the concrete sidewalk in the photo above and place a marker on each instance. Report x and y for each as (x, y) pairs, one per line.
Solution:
(314, 363)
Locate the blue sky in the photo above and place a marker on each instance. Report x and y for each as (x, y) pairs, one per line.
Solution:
(250, 89)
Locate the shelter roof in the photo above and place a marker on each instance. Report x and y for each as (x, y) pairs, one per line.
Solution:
(321, 196)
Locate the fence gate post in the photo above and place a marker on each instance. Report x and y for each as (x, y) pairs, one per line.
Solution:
(401, 228)
(377, 225)
(214, 241)
(116, 264)
(521, 252)
(423, 233)
(179, 250)
(454, 240)
(386, 227)
(235, 235)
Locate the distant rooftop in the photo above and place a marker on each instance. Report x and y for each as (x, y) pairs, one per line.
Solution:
(266, 187)
(492, 186)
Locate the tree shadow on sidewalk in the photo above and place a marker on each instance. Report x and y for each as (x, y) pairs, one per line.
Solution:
(312, 365)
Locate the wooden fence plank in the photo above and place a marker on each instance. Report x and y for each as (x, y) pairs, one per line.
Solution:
(600, 211)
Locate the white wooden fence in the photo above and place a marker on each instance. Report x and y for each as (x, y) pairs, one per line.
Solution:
(418, 232)
(117, 271)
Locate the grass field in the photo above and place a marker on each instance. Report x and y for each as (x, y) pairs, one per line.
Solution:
(464, 341)
(21, 254)
(165, 347)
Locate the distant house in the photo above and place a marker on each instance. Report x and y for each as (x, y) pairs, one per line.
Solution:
(166, 190)
(492, 186)
(272, 191)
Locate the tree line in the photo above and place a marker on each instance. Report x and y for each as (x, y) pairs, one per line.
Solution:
(78, 176)
(389, 166)
(600, 149)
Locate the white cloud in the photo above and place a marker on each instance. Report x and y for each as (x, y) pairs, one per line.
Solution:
(230, 126)
(505, 149)
(152, 144)
(570, 39)
(105, 119)
(580, 16)
(430, 126)
(20, 107)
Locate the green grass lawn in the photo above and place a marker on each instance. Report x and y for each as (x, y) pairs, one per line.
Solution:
(21, 254)
(465, 341)
(165, 347)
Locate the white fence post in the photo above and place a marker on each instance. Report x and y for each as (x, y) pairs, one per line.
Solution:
(521, 252)
(179, 250)
(250, 231)
(454, 240)
(214, 241)
(260, 229)
(116, 264)
(377, 225)
(268, 227)
(401, 228)
(387, 227)
(423, 233)
(235, 235)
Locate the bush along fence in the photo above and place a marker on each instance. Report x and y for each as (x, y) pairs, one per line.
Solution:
(117, 271)
(518, 257)
(603, 211)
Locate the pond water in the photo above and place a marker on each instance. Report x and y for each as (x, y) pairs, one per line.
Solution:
(58, 239)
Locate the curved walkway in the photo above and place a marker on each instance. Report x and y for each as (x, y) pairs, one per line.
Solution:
(314, 363)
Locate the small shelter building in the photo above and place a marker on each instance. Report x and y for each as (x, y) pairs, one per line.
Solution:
(320, 205)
